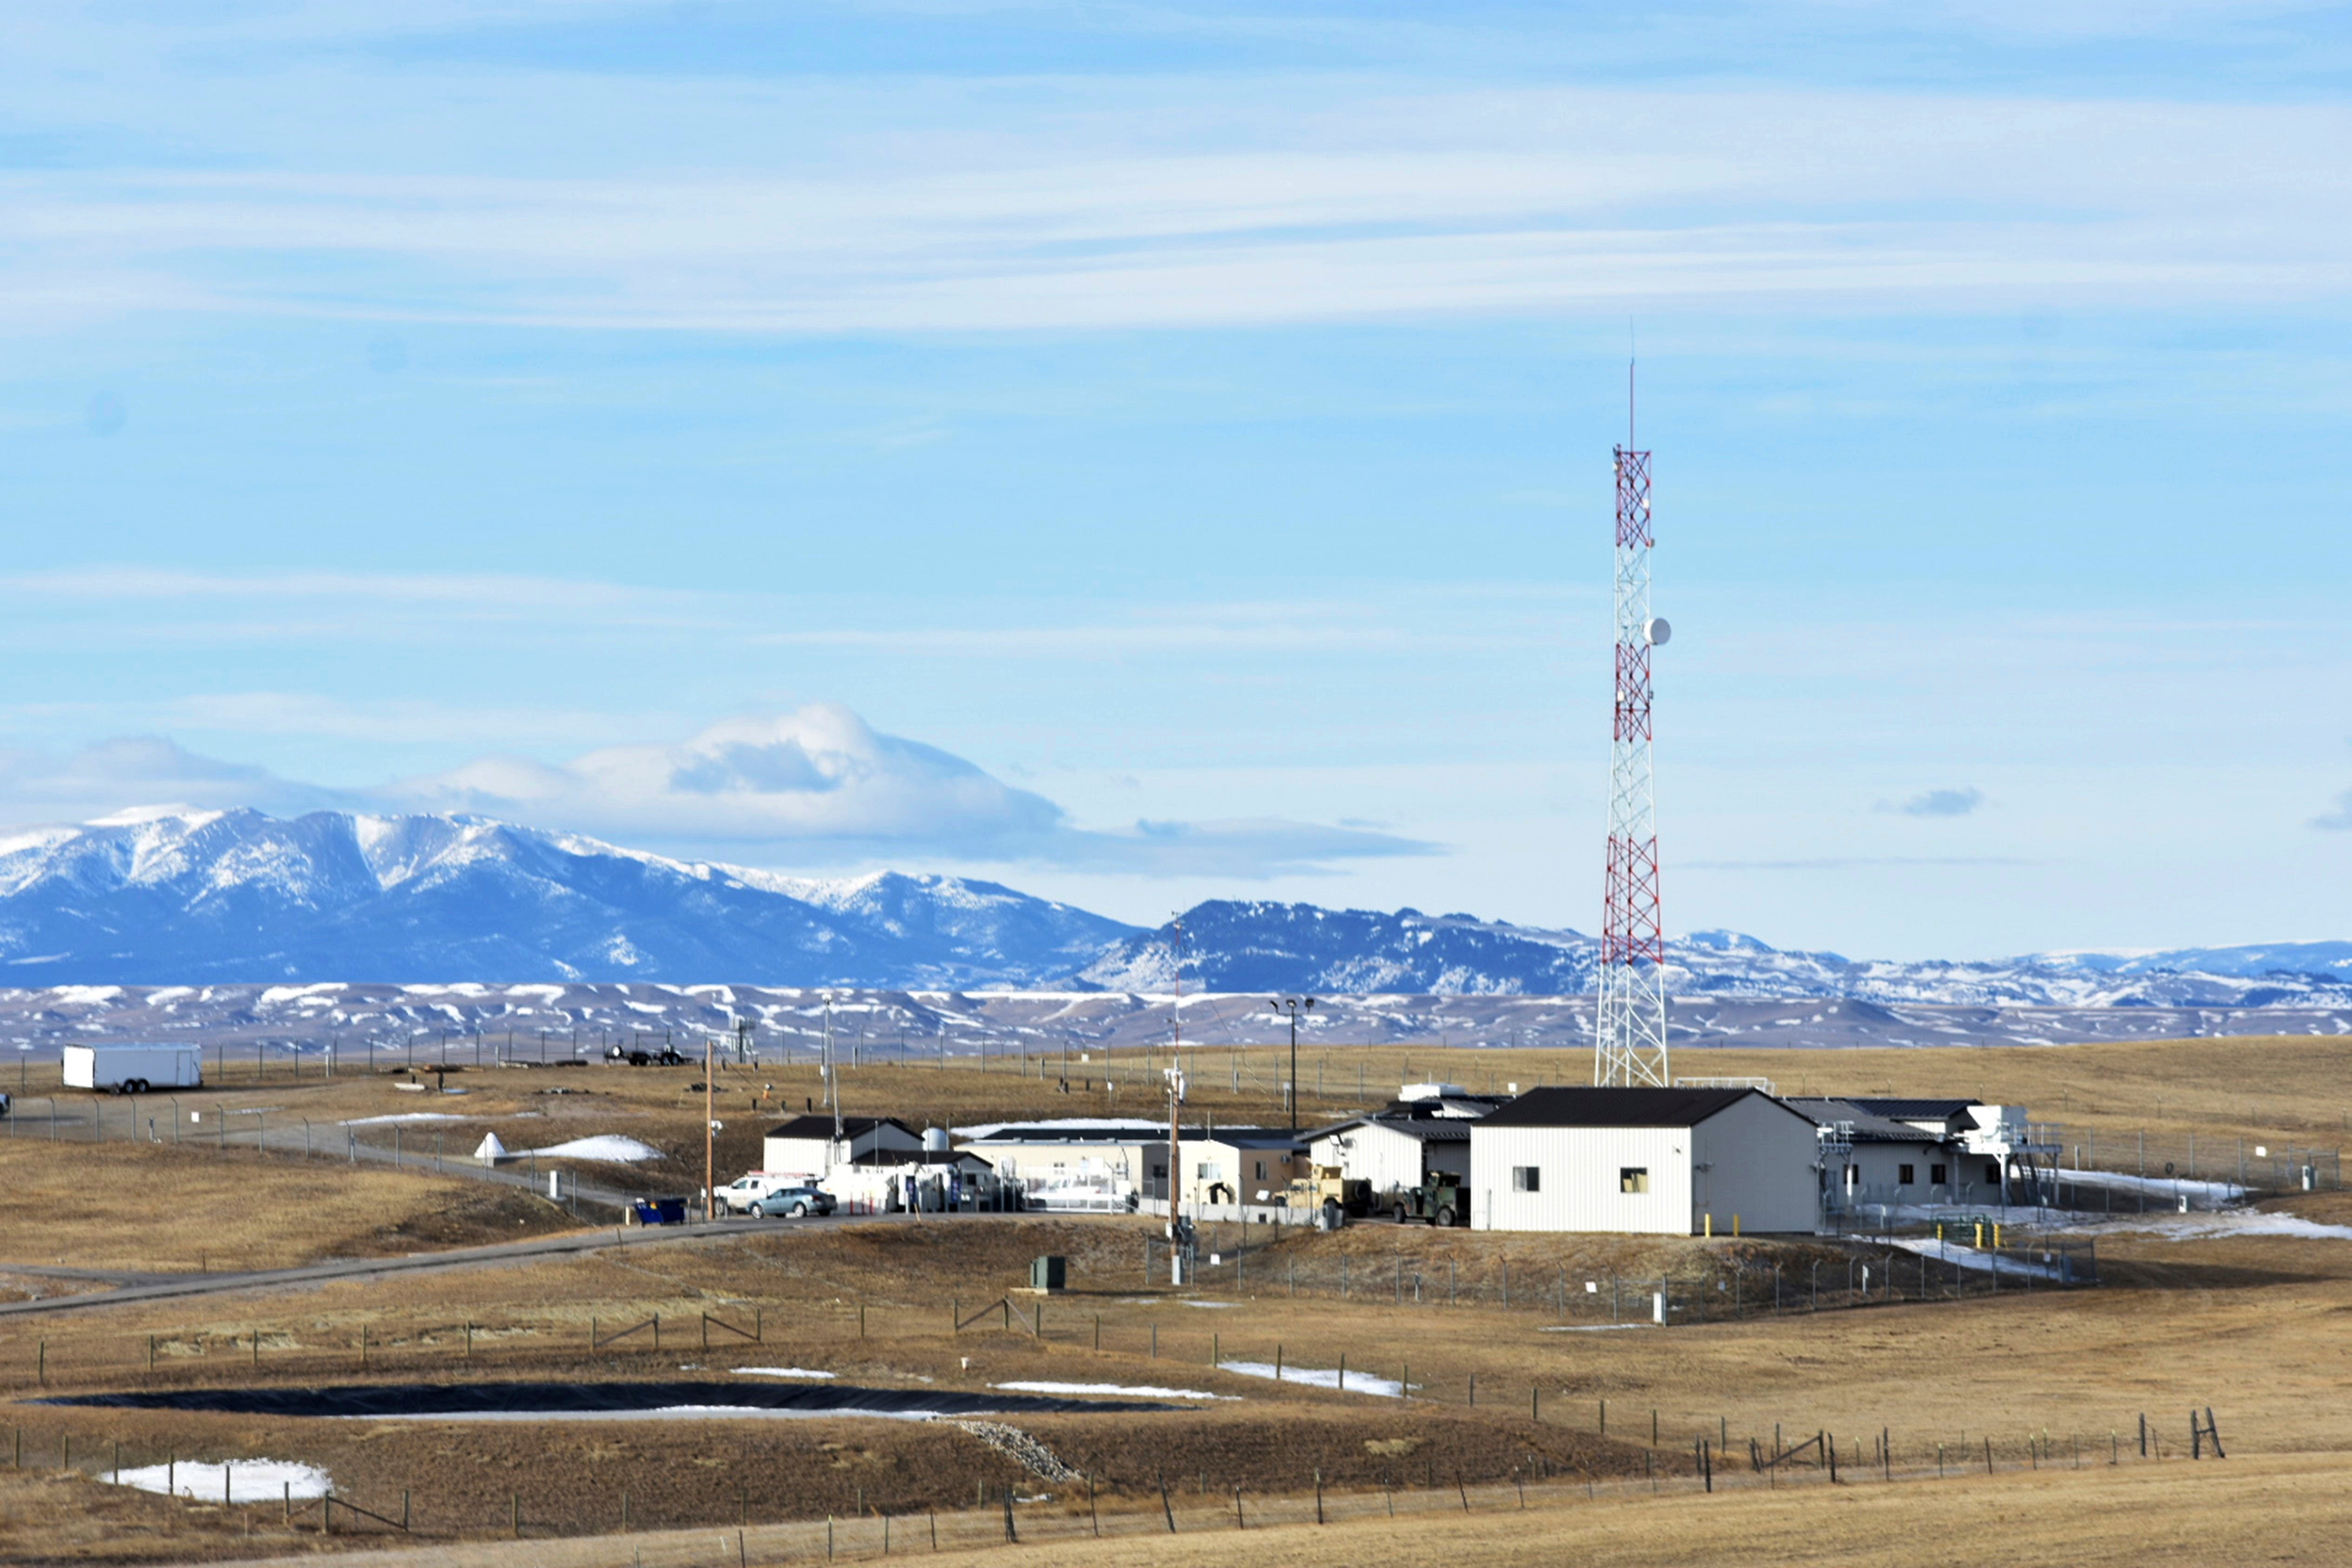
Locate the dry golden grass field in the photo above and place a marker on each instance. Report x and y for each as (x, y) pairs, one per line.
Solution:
(2257, 1326)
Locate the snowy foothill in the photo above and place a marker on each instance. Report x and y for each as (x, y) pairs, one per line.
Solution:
(782, 1372)
(246, 1480)
(1143, 1390)
(1318, 1377)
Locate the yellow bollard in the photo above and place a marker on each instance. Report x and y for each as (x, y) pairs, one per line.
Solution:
(1996, 1237)
(1710, 1228)
(1734, 1225)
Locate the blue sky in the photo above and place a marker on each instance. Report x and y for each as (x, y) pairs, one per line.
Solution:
(1143, 453)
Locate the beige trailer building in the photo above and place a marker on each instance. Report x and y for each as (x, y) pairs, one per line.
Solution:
(1669, 1162)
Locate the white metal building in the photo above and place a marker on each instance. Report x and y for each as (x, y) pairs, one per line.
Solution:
(805, 1145)
(1393, 1151)
(1868, 1159)
(1669, 1162)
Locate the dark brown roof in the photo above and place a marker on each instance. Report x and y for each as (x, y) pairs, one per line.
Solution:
(821, 1127)
(1582, 1107)
(1426, 1129)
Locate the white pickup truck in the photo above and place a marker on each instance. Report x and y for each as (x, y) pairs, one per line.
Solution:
(738, 1197)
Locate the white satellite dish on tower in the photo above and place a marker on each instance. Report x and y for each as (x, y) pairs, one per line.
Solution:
(1658, 631)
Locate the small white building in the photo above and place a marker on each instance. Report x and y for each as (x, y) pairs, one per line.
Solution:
(806, 1146)
(927, 1181)
(1667, 1162)
(1869, 1159)
(1112, 1156)
(1394, 1152)
(2000, 1148)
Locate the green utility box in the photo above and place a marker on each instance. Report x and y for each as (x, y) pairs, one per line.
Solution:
(1049, 1273)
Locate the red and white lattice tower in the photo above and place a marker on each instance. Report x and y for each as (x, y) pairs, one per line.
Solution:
(1630, 1028)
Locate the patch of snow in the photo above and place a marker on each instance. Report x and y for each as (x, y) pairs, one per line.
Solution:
(1587, 1327)
(278, 994)
(1144, 1389)
(2174, 1187)
(609, 1147)
(1124, 1123)
(83, 995)
(2233, 1223)
(1319, 1377)
(781, 1372)
(666, 1412)
(137, 815)
(405, 1116)
(247, 1480)
(1960, 1256)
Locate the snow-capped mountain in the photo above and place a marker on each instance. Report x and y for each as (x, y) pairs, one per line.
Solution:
(180, 898)
(184, 897)
(1248, 946)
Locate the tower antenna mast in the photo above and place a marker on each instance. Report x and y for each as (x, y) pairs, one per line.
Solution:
(1630, 1023)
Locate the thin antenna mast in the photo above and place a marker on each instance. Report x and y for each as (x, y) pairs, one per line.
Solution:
(1630, 1023)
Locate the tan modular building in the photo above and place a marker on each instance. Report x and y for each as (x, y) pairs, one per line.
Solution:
(1241, 1166)
(1668, 1162)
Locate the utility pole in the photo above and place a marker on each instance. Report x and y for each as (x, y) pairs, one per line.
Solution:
(1630, 1023)
(1178, 1254)
(1292, 1006)
(709, 1131)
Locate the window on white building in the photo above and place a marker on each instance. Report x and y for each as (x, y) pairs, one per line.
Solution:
(1906, 1175)
(1853, 1178)
(1633, 1178)
(1526, 1178)
(1937, 1176)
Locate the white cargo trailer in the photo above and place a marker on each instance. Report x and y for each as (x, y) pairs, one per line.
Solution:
(133, 1070)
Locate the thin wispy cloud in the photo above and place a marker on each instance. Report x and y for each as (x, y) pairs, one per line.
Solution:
(1386, 202)
(1959, 802)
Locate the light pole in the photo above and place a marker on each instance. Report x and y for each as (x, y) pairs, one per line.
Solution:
(1292, 1006)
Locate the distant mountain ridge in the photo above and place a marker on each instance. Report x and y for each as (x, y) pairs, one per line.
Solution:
(236, 897)
(1251, 946)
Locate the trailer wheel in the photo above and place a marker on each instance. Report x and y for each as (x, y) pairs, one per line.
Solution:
(1445, 1218)
(139, 1086)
